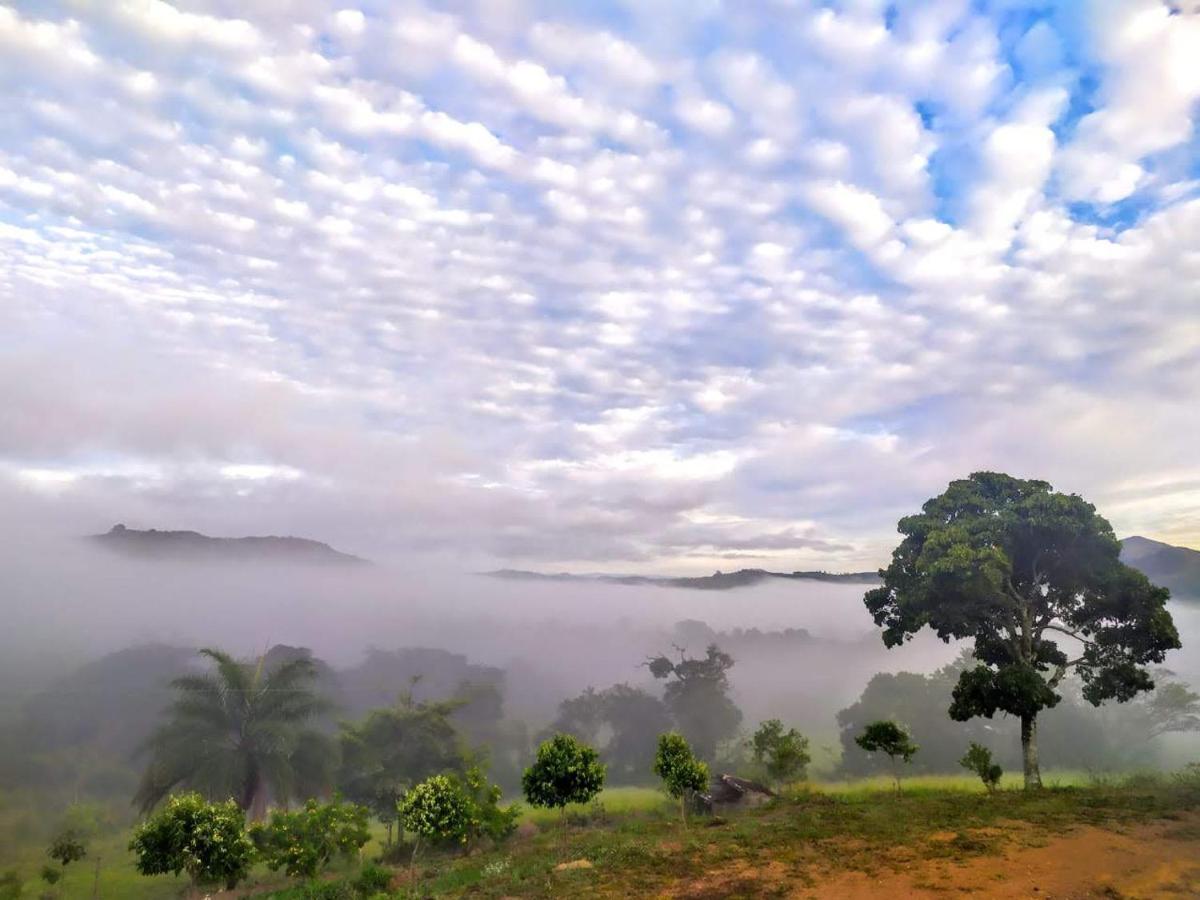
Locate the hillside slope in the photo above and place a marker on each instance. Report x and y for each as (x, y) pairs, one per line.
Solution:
(1177, 568)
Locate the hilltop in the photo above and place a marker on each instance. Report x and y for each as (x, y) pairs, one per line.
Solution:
(718, 581)
(194, 546)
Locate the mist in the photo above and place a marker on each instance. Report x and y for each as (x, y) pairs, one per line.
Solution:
(66, 602)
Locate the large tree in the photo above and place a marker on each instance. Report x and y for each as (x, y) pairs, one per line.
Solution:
(241, 731)
(629, 717)
(1034, 578)
(697, 694)
(392, 749)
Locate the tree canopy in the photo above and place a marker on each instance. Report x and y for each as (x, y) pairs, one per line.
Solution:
(564, 771)
(697, 694)
(241, 731)
(1033, 578)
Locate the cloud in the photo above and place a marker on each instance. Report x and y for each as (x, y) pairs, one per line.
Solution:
(585, 287)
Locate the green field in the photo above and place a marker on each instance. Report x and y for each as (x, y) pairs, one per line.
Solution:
(635, 843)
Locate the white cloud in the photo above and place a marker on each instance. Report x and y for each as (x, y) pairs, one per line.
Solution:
(545, 289)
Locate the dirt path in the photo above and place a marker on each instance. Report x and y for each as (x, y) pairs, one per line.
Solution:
(1153, 860)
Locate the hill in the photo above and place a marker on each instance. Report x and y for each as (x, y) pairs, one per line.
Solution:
(194, 546)
(1177, 568)
(718, 581)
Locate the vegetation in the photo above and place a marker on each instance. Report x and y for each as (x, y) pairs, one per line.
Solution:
(240, 731)
(304, 842)
(208, 841)
(782, 754)
(682, 774)
(978, 759)
(565, 771)
(67, 847)
(697, 694)
(632, 718)
(1018, 568)
(392, 749)
(891, 739)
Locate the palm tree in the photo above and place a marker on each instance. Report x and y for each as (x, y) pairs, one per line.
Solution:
(241, 732)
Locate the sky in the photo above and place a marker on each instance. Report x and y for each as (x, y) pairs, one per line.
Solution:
(609, 286)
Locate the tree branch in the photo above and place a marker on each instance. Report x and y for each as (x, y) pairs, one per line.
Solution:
(1067, 631)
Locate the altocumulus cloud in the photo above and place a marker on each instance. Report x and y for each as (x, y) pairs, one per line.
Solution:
(626, 284)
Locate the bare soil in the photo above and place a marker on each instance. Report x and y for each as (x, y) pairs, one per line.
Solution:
(1158, 859)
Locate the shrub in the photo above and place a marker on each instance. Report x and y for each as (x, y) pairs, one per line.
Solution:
(489, 819)
(681, 772)
(303, 842)
(978, 759)
(206, 840)
(11, 885)
(51, 874)
(565, 771)
(372, 879)
(784, 754)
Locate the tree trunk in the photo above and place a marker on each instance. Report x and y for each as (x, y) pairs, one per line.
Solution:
(1029, 752)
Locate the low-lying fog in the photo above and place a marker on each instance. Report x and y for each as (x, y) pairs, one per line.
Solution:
(65, 602)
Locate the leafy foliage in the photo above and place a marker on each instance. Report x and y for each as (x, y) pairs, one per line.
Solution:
(303, 843)
(697, 694)
(438, 810)
(565, 771)
(1016, 567)
(889, 738)
(208, 841)
(11, 885)
(240, 731)
(784, 754)
(677, 766)
(392, 749)
(67, 847)
(978, 759)
(631, 716)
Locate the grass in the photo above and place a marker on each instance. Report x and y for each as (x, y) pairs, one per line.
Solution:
(636, 845)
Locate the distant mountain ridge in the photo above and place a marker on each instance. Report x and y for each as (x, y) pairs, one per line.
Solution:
(192, 545)
(1177, 568)
(718, 581)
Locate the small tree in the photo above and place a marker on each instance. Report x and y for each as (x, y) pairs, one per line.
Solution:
(565, 771)
(888, 737)
(303, 843)
(67, 847)
(978, 759)
(784, 754)
(681, 772)
(436, 811)
(206, 840)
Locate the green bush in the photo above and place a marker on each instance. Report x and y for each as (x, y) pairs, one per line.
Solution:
(784, 754)
(11, 885)
(488, 819)
(565, 771)
(302, 843)
(438, 811)
(206, 840)
(372, 879)
(978, 759)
